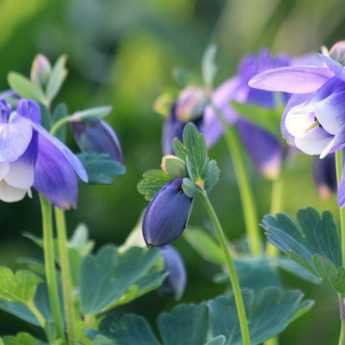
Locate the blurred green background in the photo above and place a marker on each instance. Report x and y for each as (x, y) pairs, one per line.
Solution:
(122, 52)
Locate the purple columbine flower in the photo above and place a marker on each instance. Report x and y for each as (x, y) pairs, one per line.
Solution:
(97, 136)
(189, 107)
(176, 281)
(324, 174)
(263, 147)
(31, 157)
(166, 215)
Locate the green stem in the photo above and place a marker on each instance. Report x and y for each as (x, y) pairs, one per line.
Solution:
(276, 206)
(67, 285)
(249, 209)
(49, 265)
(58, 124)
(339, 169)
(234, 281)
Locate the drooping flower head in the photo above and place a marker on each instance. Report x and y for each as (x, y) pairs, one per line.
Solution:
(176, 281)
(98, 137)
(32, 158)
(314, 118)
(166, 215)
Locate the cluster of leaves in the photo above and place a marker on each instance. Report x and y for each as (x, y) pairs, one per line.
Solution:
(102, 281)
(200, 171)
(211, 323)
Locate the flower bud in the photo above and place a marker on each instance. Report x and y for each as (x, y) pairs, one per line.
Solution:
(173, 166)
(97, 136)
(40, 70)
(191, 103)
(337, 52)
(325, 176)
(166, 215)
(175, 282)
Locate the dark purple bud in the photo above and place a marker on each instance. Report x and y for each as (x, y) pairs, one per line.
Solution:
(97, 136)
(325, 176)
(166, 215)
(176, 281)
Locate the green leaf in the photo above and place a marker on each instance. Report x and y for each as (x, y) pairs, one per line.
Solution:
(18, 287)
(60, 112)
(128, 330)
(266, 118)
(57, 77)
(209, 67)
(25, 88)
(312, 242)
(152, 182)
(204, 245)
(179, 149)
(21, 339)
(92, 113)
(269, 312)
(249, 269)
(184, 325)
(109, 279)
(195, 145)
(100, 167)
(220, 340)
(212, 175)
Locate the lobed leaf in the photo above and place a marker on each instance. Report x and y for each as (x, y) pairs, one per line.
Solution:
(57, 77)
(109, 279)
(152, 182)
(100, 167)
(313, 242)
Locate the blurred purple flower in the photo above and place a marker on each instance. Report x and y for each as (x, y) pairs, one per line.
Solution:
(176, 281)
(166, 215)
(31, 157)
(264, 148)
(324, 174)
(97, 136)
(189, 107)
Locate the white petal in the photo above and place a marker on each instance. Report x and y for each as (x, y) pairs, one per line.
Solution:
(4, 169)
(11, 194)
(299, 120)
(314, 142)
(21, 175)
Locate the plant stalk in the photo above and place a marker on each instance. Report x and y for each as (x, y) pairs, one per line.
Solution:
(67, 286)
(248, 204)
(49, 266)
(234, 281)
(339, 170)
(276, 206)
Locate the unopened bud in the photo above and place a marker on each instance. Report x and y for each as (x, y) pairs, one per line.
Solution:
(40, 70)
(337, 52)
(173, 166)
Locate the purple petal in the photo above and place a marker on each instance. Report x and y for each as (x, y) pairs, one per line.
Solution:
(68, 155)
(337, 68)
(29, 109)
(21, 172)
(99, 137)
(15, 137)
(294, 79)
(176, 281)
(324, 174)
(54, 175)
(166, 215)
(335, 144)
(264, 148)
